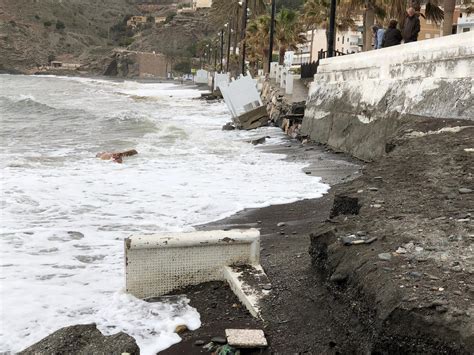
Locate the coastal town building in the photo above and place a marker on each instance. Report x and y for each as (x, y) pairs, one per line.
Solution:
(465, 20)
(198, 4)
(135, 21)
(349, 41)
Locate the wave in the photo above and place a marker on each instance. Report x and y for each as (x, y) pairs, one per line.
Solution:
(20, 102)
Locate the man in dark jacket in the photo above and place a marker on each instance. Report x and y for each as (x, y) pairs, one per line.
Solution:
(392, 36)
(411, 27)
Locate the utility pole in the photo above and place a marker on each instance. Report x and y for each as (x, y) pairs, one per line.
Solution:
(332, 29)
(272, 34)
(244, 30)
(222, 50)
(229, 28)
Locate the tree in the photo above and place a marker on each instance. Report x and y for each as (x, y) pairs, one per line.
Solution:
(316, 15)
(288, 32)
(449, 6)
(258, 41)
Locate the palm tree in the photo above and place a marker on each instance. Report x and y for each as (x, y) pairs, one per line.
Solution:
(258, 40)
(314, 14)
(288, 32)
(222, 11)
(449, 6)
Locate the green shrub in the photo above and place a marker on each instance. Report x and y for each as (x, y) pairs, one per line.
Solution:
(60, 25)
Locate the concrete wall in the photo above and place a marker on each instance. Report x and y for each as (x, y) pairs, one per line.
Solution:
(356, 102)
(151, 65)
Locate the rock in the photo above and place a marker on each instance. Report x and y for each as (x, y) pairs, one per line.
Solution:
(258, 141)
(199, 342)
(401, 251)
(385, 256)
(373, 189)
(338, 277)
(219, 340)
(229, 126)
(83, 339)
(180, 329)
(464, 190)
(415, 274)
(267, 287)
(246, 338)
(281, 224)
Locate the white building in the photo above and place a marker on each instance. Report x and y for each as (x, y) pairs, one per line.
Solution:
(198, 4)
(465, 21)
(346, 42)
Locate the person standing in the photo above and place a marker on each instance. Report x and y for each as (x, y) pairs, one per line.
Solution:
(378, 36)
(411, 26)
(392, 36)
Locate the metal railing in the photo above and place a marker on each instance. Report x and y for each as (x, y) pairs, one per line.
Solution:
(309, 69)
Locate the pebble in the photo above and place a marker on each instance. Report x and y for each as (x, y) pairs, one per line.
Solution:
(219, 340)
(415, 274)
(458, 293)
(281, 224)
(259, 222)
(464, 190)
(376, 205)
(199, 342)
(385, 256)
(378, 178)
(267, 287)
(180, 329)
(401, 251)
(373, 189)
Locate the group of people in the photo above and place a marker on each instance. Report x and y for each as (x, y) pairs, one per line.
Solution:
(393, 36)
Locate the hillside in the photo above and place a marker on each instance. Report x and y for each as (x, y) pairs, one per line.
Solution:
(34, 32)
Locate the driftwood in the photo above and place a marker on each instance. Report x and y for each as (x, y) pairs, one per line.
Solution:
(116, 156)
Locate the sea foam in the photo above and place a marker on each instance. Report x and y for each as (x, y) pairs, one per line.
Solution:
(65, 213)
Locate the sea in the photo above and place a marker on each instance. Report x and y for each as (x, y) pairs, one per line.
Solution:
(64, 213)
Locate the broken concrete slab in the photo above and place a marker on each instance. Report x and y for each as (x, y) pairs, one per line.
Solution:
(250, 284)
(246, 338)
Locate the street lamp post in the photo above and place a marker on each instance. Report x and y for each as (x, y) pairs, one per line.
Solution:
(244, 29)
(222, 50)
(272, 34)
(229, 29)
(332, 29)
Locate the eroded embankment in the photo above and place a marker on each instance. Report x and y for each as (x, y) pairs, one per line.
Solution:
(399, 246)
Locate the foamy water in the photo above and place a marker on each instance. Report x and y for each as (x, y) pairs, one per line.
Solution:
(64, 213)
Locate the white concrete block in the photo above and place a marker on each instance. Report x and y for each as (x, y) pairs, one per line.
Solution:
(246, 338)
(158, 264)
(221, 80)
(273, 70)
(201, 76)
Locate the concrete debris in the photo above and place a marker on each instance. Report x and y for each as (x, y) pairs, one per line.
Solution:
(246, 338)
(116, 156)
(385, 256)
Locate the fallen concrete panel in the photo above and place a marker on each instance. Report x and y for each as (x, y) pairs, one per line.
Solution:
(250, 284)
(253, 119)
(158, 264)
